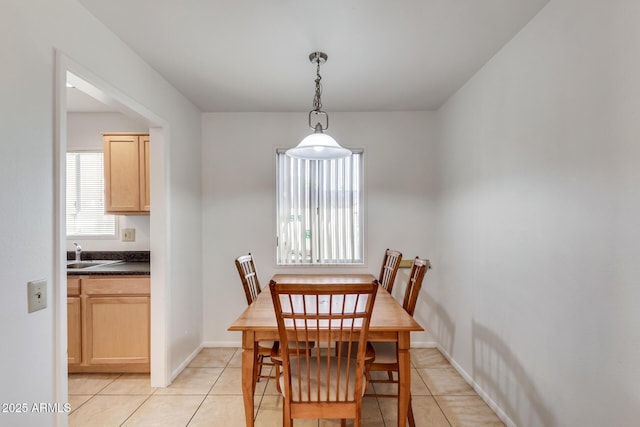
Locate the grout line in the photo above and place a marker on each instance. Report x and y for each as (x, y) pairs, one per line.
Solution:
(384, 423)
(196, 411)
(135, 410)
(82, 404)
(442, 411)
(424, 382)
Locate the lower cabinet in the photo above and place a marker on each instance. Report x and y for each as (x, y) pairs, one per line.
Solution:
(114, 330)
(74, 320)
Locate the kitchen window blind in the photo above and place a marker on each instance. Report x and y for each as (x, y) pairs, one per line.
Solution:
(85, 196)
(319, 210)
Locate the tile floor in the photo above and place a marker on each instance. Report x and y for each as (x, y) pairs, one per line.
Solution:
(208, 393)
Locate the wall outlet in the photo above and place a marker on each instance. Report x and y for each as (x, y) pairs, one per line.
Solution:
(129, 235)
(36, 295)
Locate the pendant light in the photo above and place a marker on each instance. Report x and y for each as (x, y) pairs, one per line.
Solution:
(318, 145)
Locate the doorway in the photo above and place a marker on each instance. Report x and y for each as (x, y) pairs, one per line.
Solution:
(98, 89)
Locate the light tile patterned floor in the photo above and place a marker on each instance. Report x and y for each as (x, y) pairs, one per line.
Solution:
(208, 393)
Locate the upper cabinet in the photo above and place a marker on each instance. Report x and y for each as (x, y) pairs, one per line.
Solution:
(126, 173)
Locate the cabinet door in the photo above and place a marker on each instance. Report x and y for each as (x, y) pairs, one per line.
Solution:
(74, 328)
(117, 330)
(145, 178)
(122, 173)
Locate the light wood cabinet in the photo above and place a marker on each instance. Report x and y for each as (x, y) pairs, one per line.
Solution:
(126, 173)
(114, 316)
(145, 180)
(74, 322)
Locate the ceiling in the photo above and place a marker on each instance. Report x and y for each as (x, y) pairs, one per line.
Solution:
(80, 102)
(252, 55)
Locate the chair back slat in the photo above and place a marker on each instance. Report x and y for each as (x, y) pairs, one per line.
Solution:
(249, 277)
(414, 284)
(321, 316)
(389, 269)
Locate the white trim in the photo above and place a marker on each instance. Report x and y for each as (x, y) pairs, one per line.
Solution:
(483, 395)
(59, 308)
(221, 344)
(186, 362)
(160, 244)
(89, 82)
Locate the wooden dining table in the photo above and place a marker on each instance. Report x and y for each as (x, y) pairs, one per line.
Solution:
(389, 322)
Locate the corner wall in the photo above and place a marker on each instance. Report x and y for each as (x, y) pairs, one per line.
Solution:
(30, 35)
(538, 220)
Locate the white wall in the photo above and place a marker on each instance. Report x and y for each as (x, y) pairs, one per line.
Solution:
(538, 220)
(239, 199)
(84, 132)
(30, 33)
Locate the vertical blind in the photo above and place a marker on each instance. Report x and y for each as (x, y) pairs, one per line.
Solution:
(85, 196)
(319, 210)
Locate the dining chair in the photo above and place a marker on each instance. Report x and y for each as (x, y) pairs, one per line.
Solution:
(390, 264)
(327, 382)
(386, 353)
(247, 271)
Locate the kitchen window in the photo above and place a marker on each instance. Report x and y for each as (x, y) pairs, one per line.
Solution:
(319, 210)
(85, 197)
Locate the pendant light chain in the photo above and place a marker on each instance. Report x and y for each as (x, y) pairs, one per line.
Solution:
(317, 102)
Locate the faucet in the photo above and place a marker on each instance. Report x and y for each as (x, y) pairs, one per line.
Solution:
(78, 252)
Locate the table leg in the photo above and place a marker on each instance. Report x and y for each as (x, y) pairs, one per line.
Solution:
(249, 353)
(404, 377)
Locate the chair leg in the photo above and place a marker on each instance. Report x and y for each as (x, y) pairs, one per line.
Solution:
(286, 415)
(412, 421)
(343, 423)
(258, 368)
(357, 421)
(277, 369)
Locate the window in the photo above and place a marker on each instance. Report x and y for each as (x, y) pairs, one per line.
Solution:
(319, 210)
(85, 197)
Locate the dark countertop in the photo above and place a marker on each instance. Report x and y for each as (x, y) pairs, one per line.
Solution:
(127, 263)
(118, 268)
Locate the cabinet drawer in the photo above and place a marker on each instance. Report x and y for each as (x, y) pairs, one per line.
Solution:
(73, 286)
(125, 285)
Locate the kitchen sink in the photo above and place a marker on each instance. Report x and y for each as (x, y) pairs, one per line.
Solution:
(76, 265)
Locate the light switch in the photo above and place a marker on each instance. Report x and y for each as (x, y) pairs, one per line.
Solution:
(36, 295)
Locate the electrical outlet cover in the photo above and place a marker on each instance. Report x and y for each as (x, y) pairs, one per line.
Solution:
(129, 235)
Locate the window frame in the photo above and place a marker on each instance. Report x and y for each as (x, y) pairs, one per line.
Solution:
(362, 208)
(116, 226)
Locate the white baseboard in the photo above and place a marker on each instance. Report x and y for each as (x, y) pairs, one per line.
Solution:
(483, 395)
(185, 363)
(213, 344)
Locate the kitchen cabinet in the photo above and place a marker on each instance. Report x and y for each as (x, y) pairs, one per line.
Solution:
(114, 324)
(126, 173)
(74, 331)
